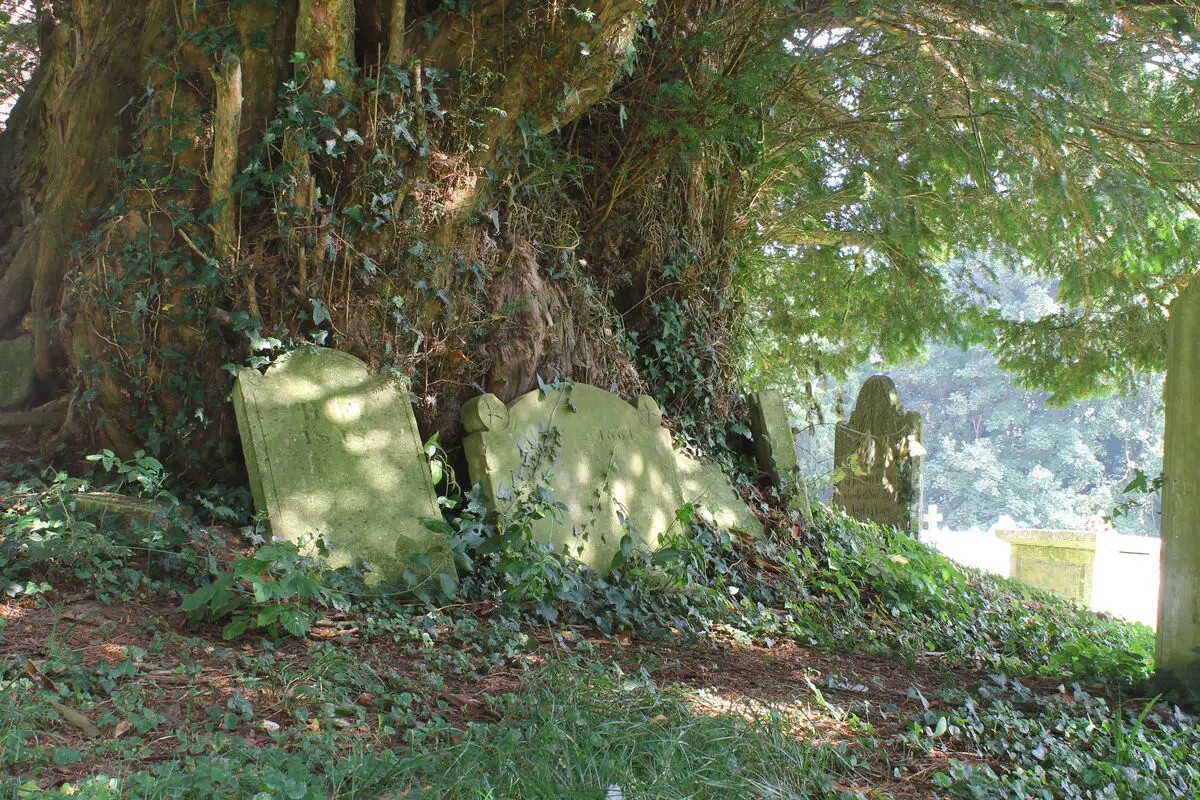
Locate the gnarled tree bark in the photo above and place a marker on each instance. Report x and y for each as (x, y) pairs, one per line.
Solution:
(140, 83)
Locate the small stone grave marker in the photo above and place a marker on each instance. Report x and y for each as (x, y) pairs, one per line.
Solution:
(714, 497)
(1057, 561)
(774, 445)
(333, 451)
(16, 371)
(880, 452)
(140, 509)
(610, 464)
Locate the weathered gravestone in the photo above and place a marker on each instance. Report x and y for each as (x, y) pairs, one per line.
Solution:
(610, 464)
(334, 452)
(879, 452)
(716, 501)
(1057, 561)
(138, 509)
(774, 445)
(16, 371)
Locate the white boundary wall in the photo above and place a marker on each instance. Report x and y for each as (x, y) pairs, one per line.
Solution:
(1125, 575)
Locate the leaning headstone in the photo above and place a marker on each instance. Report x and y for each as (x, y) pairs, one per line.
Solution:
(774, 445)
(879, 452)
(716, 501)
(16, 371)
(608, 464)
(334, 452)
(1057, 561)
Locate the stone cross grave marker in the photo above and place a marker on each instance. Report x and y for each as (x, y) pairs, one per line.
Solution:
(932, 518)
(333, 451)
(774, 445)
(880, 452)
(610, 464)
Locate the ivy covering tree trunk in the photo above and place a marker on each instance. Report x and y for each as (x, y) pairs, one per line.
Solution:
(649, 197)
(185, 183)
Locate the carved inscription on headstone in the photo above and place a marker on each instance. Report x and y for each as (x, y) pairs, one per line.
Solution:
(334, 452)
(611, 465)
(879, 452)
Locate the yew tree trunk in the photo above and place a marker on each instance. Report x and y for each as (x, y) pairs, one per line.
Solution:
(1177, 651)
(451, 195)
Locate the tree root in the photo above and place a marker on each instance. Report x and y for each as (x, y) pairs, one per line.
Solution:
(52, 413)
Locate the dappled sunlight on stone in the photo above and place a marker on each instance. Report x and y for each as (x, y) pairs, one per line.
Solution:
(716, 501)
(614, 467)
(879, 451)
(333, 452)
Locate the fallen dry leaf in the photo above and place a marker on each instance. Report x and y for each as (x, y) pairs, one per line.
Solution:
(35, 674)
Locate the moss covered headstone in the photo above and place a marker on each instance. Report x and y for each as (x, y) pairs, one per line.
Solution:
(879, 453)
(16, 371)
(1057, 561)
(712, 494)
(774, 445)
(608, 464)
(334, 452)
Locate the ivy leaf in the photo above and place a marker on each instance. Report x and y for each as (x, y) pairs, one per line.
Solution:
(320, 312)
(666, 556)
(295, 621)
(259, 342)
(198, 598)
(235, 628)
(622, 555)
(67, 755)
(438, 526)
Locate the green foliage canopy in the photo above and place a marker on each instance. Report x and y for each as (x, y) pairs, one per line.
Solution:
(1058, 136)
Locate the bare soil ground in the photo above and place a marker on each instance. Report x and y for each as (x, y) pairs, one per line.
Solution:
(860, 702)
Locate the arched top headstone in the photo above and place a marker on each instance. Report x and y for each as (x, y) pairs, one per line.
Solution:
(608, 463)
(878, 393)
(879, 453)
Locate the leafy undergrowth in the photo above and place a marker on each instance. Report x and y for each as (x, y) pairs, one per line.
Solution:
(171, 658)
